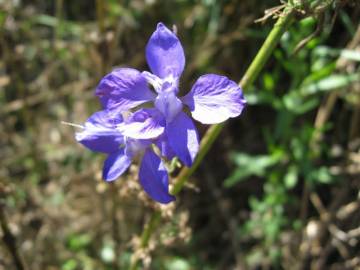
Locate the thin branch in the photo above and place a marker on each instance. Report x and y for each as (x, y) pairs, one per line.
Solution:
(146, 235)
(318, 30)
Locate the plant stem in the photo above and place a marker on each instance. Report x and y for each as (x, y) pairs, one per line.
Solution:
(145, 236)
(249, 77)
(154, 220)
(207, 141)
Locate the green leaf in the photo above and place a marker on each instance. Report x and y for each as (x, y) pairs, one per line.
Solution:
(324, 51)
(322, 175)
(319, 72)
(268, 81)
(331, 82)
(248, 165)
(77, 242)
(177, 264)
(46, 20)
(291, 177)
(297, 104)
(259, 98)
(70, 265)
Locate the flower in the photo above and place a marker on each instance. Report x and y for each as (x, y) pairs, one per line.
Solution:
(212, 99)
(100, 134)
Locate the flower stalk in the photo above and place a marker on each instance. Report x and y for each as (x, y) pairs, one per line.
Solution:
(145, 236)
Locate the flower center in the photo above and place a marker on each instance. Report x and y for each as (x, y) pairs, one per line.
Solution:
(168, 104)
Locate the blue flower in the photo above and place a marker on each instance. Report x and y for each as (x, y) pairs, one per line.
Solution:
(212, 99)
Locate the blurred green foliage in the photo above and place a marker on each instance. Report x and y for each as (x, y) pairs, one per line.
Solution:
(294, 155)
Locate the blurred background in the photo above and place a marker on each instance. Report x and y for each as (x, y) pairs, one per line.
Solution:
(278, 190)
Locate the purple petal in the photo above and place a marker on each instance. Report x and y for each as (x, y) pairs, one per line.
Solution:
(154, 178)
(164, 146)
(164, 53)
(144, 124)
(123, 89)
(213, 99)
(169, 104)
(115, 165)
(183, 138)
(100, 133)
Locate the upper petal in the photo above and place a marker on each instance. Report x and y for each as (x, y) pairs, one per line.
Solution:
(183, 138)
(164, 53)
(123, 89)
(144, 124)
(100, 133)
(154, 178)
(214, 99)
(115, 165)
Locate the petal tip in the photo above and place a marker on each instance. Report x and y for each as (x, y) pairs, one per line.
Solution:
(109, 179)
(160, 26)
(167, 200)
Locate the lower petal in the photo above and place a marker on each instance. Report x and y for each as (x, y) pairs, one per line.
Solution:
(165, 148)
(100, 134)
(154, 178)
(143, 124)
(115, 165)
(183, 138)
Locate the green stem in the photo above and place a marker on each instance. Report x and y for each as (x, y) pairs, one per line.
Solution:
(207, 141)
(249, 77)
(145, 237)
(154, 221)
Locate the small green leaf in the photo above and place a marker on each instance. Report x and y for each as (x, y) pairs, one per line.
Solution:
(261, 97)
(291, 177)
(321, 175)
(251, 165)
(323, 51)
(78, 241)
(269, 82)
(69, 265)
(297, 104)
(177, 264)
(331, 82)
